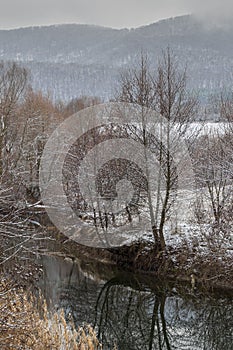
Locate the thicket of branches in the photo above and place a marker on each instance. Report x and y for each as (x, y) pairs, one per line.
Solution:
(28, 118)
(165, 90)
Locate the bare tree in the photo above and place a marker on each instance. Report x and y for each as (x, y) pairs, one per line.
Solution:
(137, 85)
(213, 178)
(13, 81)
(165, 91)
(214, 172)
(33, 121)
(179, 108)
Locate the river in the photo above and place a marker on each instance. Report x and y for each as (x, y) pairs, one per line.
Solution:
(137, 312)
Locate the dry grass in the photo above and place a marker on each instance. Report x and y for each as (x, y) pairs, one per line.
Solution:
(25, 323)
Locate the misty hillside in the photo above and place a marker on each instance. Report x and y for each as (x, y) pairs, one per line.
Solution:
(73, 60)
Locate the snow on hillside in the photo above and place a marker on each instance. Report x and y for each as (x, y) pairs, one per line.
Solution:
(73, 60)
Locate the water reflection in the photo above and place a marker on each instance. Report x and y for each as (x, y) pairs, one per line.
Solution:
(127, 312)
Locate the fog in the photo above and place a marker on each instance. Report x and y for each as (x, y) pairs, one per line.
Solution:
(213, 11)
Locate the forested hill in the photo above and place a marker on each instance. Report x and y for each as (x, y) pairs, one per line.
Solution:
(72, 60)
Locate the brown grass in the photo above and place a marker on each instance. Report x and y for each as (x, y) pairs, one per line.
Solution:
(25, 323)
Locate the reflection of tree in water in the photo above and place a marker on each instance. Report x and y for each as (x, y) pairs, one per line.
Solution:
(215, 325)
(137, 319)
(134, 319)
(128, 313)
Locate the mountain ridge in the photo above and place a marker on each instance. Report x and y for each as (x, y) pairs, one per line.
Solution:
(71, 60)
(95, 25)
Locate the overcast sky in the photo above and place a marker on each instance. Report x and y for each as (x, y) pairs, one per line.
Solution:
(113, 13)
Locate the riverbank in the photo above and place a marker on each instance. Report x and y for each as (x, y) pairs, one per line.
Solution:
(209, 272)
(188, 260)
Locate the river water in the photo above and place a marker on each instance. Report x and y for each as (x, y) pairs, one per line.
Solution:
(137, 312)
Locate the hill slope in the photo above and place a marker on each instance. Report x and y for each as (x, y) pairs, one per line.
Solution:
(72, 60)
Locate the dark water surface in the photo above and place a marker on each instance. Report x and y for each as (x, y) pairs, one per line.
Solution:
(136, 312)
